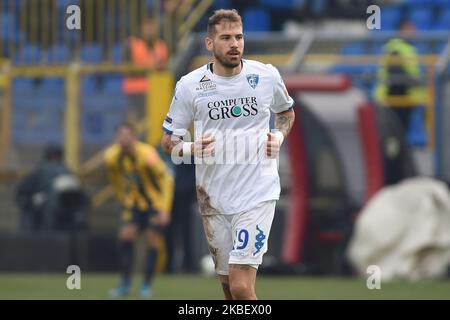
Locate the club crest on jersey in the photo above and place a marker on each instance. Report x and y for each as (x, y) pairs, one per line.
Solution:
(253, 80)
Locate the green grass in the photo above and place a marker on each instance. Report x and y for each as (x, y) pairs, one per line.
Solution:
(191, 287)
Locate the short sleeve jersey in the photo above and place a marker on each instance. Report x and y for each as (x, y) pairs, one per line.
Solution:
(236, 110)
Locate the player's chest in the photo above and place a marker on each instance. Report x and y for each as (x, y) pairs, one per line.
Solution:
(234, 102)
(131, 167)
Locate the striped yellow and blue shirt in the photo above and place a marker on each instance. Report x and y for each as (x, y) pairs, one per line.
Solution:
(140, 179)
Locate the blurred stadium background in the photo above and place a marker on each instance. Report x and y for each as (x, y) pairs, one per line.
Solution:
(60, 86)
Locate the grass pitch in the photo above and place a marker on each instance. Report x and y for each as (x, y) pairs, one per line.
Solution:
(196, 287)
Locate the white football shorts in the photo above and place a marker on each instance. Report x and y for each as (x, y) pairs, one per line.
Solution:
(239, 238)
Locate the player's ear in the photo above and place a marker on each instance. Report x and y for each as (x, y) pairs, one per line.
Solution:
(209, 43)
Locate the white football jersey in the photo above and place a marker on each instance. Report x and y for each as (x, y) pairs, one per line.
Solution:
(236, 110)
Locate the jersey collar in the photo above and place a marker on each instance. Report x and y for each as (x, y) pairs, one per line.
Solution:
(210, 67)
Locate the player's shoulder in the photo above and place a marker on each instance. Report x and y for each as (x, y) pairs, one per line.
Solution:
(111, 153)
(195, 76)
(147, 153)
(144, 148)
(259, 67)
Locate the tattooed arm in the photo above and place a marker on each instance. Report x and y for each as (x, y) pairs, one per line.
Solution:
(169, 142)
(284, 121)
(203, 147)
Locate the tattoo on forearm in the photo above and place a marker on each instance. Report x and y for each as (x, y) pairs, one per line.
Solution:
(284, 121)
(170, 142)
(175, 142)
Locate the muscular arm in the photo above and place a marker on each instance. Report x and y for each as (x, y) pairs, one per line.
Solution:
(284, 121)
(203, 147)
(169, 142)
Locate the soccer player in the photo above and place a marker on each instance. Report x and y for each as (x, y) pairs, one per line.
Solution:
(144, 187)
(228, 99)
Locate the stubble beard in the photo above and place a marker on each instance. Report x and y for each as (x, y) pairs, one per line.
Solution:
(226, 63)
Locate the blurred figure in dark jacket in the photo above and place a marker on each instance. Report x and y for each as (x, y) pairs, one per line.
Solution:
(50, 197)
(180, 233)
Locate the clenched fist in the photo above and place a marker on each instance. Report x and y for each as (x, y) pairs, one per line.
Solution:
(274, 141)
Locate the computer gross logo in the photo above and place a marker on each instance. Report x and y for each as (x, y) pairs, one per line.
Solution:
(232, 108)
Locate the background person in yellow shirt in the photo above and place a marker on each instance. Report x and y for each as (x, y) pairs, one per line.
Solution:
(144, 187)
(400, 77)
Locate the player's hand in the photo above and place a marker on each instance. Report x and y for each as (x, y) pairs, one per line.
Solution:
(205, 146)
(273, 145)
(163, 218)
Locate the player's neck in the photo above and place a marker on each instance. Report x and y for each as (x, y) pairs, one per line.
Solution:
(222, 71)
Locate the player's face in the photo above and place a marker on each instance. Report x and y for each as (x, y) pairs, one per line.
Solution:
(227, 44)
(126, 138)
